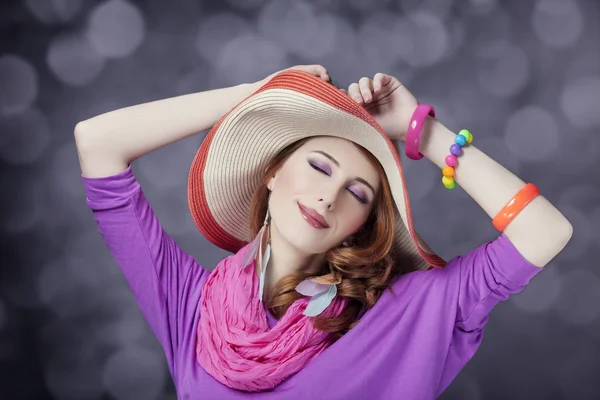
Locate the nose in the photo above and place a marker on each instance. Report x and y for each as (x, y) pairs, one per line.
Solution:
(328, 197)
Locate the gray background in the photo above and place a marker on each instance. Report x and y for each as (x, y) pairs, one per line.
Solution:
(523, 76)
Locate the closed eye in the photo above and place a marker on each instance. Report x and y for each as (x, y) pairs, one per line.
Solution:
(361, 200)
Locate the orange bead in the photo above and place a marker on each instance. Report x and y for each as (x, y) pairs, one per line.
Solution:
(448, 171)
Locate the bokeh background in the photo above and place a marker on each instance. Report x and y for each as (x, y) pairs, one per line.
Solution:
(522, 75)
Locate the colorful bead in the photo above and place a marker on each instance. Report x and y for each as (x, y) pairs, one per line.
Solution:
(464, 137)
(465, 133)
(448, 171)
(455, 149)
(448, 182)
(451, 160)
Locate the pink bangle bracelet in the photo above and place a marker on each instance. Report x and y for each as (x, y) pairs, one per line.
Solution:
(413, 134)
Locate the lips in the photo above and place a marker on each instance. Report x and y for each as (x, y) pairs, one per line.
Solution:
(313, 217)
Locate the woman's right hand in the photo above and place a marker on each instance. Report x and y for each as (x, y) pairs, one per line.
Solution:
(315, 69)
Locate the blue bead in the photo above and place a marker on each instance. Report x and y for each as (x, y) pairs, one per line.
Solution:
(460, 140)
(455, 149)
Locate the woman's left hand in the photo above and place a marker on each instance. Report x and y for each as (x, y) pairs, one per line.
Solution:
(387, 100)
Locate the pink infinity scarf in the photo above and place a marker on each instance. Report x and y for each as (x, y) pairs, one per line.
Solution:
(234, 342)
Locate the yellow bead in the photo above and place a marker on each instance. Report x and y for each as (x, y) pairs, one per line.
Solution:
(470, 139)
(447, 180)
(448, 171)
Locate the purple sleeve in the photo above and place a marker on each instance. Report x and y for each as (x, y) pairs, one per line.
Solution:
(483, 277)
(486, 276)
(155, 267)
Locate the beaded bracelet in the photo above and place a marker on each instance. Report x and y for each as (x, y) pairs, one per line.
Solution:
(463, 137)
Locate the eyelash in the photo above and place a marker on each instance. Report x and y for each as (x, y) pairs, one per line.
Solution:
(351, 192)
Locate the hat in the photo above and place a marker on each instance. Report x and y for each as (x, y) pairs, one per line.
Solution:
(229, 165)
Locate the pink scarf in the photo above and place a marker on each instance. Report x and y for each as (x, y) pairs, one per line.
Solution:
(235, 344)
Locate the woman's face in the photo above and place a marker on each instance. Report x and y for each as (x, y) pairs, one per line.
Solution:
(331, 176)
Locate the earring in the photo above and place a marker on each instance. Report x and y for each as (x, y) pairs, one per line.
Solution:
(264, 250)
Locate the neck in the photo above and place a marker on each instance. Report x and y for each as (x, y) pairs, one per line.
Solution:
(286, 259)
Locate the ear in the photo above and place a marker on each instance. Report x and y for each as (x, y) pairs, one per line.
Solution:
(271, 182)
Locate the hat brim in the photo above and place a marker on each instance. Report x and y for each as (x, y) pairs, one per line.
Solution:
(228, 167)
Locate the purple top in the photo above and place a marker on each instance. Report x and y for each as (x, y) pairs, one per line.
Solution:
(408, 346)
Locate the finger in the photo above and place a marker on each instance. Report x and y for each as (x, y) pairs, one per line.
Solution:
(382, 79)
(354, 92)
(320, 71)
(344, 91)
(366, 88)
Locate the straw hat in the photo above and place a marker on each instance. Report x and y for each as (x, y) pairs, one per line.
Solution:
(228, 167)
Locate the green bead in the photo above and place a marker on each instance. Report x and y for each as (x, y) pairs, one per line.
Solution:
(466, 134)
(450, 185)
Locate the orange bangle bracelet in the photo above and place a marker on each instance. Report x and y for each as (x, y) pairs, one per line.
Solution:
(514, 206)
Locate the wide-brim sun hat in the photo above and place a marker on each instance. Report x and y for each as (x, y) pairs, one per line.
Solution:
(229, 164)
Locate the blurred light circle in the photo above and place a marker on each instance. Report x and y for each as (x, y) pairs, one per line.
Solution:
(245, 5)
(18, 84)
(489, 33)
(580, 102)
(430, 40)
(296, 27)
(25, 137)
(248, 59)
(542, 292)
(217, 30)
(439, 8)
(531, 134)
(74, 374)
(22, 211)
(64, 292)
(126, 329)
(557, 23)
(73, 61)
(385, 37)
(116, 28)
(134, 373)
(578, 303)
(52, 11)
(505, 74)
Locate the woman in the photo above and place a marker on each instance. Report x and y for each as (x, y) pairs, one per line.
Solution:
(302, 184)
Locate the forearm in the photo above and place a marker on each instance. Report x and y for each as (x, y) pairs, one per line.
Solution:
(539, 231)
(108, 142)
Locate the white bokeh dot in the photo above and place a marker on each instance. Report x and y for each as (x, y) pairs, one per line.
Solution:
(580, 102)
(580, 295)
(297, 27)
(134, 373)
(217, 30)
(531, 134)
(542, 292)
(439, 8)
(116, 28)
(430, 40)
(557, 23)
(25, 137)
(506, 73)
(73, 61)
(18, 84)
(385, 37)
(248, 59)
(55, 11)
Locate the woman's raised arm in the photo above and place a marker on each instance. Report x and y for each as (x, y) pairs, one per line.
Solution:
(107, 143)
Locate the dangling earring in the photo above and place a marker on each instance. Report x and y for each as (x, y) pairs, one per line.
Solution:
(264, 250)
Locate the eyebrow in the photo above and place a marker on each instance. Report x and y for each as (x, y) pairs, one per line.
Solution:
(358, 178)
